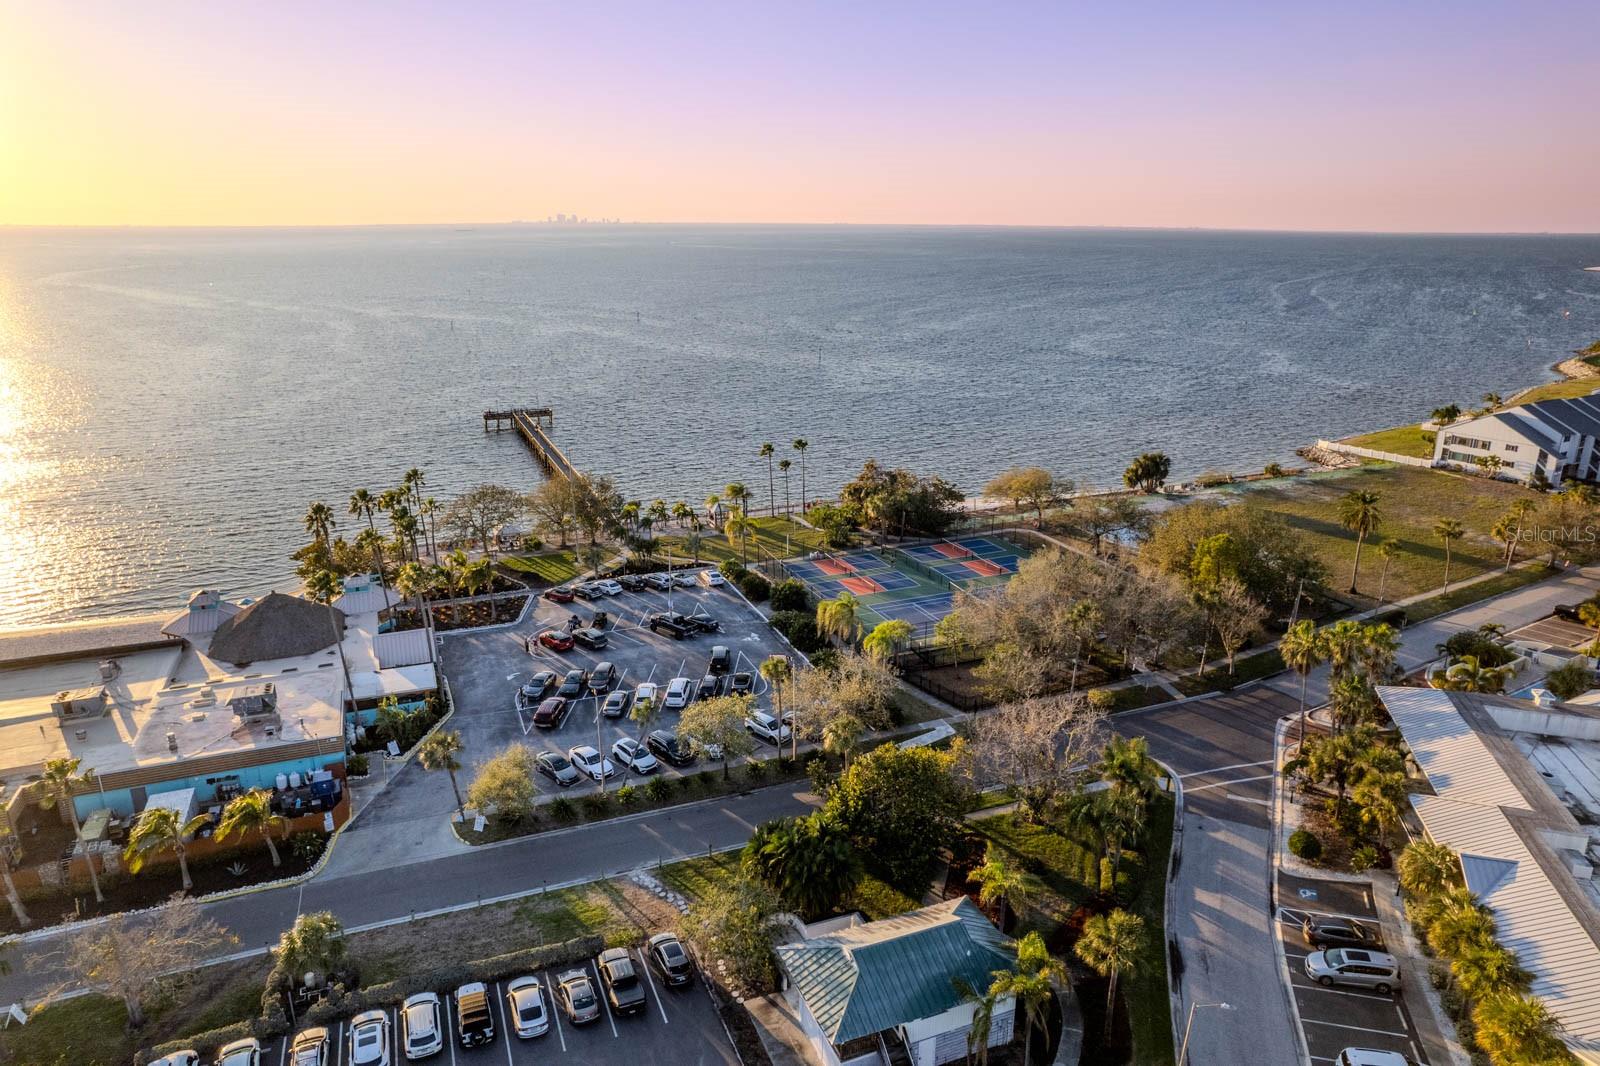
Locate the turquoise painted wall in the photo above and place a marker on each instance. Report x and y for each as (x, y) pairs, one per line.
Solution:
(121, 800)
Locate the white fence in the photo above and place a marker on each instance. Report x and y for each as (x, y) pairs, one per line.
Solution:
(1373, 453)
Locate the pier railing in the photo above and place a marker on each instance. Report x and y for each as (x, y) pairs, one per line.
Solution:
(534, 424)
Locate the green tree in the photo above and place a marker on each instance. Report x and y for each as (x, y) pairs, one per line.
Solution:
(1448, 530)
(778, 671)
(783, 468)
(719, 722)
(1446, 414)
(1032, 985)
(886, 638)
(772, 496)
(800, 445)
(1303, 650)
(841, 734)
(319, 522)
(983, 1005)
(837, 618)
(1469, 674)
(738, 527)
(162, 829)
(899, 806)
(364, 505)
(1517, 1030)
(504, 784)
(251, 812)
(1002, 884)
(1459, 926)
(1359, 513)
(1427, 868)
(1572, 679)
(440, 751)
(1148, 472)
(808, 862)
(736, 493)
(56, 787)
(1034, 486)
(1482, 972)
(315, 944)
(735, 921)
(1110, 945)
(1388, 551)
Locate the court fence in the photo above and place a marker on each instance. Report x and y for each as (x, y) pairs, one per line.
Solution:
(914, 663)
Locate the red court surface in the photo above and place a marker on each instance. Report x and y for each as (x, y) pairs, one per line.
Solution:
(861, 586)
(985, 567)
(953, 551)
(835, 567)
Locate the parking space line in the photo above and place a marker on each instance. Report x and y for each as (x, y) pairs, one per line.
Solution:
(651, 981)
(505, 1033)
(1219, 769)
(450, 1027)
(1359, 1028)
(555, 1012)
(1370, 997)
(394, 1034)
(338, 1042)
(600, 993)
(1364, 919)
(283, 1055)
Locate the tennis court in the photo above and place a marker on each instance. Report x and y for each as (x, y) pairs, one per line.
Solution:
(968, 562)
(861, 573)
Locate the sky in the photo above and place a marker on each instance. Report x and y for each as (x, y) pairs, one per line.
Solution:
(1358, 115)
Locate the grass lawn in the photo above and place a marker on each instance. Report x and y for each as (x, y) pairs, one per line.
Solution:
(694, 877)
(1132, 697)
(1411, 501)
(1481, 590)
(1402, 440)
(775, 537)
(87, 1031)
(554, 567)
(1560, 390)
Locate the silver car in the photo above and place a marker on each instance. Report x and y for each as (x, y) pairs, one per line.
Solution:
(1356, 967)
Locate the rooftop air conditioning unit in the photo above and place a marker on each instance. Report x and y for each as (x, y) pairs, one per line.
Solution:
(109, 668)
(79, 703)
(172, 741)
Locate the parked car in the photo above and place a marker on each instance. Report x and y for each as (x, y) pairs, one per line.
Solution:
(1355, 967)
(575, 994)
(559, 594)
(710, 751)
(591, 762)
(763, 725)
(525, 1006)
(602, 677)
(703, 623)
(368, 1041)
(474, 1015)
(187, 1057)
(609, 587)
(632, 582)
(635, 756)
(710, 685)
(551, 713)
(587, 591)
(310, 1048)
(557, 768)
(667, 954)
(573, 685)
(721, 659)
(741, 683)
(668, 626)
(684, 579)
(1365, 1056)
(421, 1031)
(669, 747)
(246, 1052)
(591, 638)
(679, 692)
(617, 703)
(556, 640)
(539, 685)
(645, 692)
(660, 581)
(712, 578)
(624, 990)
(1339, 933)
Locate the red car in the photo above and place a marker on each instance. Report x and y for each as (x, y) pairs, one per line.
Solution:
(550, 713)
(559, 595)
(556, 640)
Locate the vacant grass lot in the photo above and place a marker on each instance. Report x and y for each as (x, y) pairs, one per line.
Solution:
(1402, 440)
(776, 537)
(694, 877)
(1411, 500)
(553, 567)
(1560, 390)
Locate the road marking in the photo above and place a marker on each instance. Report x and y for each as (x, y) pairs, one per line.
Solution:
(555, 1012)
(338, 1042)
(394, 1033)
(1359, 1028)
(1225, 784)
(605, 1004)
(505, 1033)
(1361, 919)
(1370, 997)
(283, 1055)
(449, 1033)
(1219, 769)
(651, 981)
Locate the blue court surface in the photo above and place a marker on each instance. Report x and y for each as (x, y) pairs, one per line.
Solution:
(919, 610)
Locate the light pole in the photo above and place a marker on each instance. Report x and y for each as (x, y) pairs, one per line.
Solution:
(1184, 1050)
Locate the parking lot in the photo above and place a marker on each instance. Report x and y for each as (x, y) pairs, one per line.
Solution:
(1337, 1018)
(485, 669)
(679, 1027)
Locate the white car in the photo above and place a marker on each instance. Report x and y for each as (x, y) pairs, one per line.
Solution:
(310, 1048)
(421, 1031)
(609, 587)
(525, 1004)
(635, 756)
(178, 1058)
(710, 751)
(684, 579)
(645, 692)
(768, 728)
(678, 690)
(246, 1052)
(712, 578)
(368, 1043)
(1364, 1056)
(588, 761)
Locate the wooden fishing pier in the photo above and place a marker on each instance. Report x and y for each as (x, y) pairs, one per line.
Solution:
(534, 425)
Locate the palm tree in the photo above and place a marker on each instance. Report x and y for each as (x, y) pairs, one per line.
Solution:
(1033, 983)
(1448, 530)
(800, 445)
(162, 829)
(808, 862)
(1303, 650)
(738, 526)
(429, 509)
(630, 514)
(1468, 674)
(658, 511)
(1001, 884)
(886, 638)
(772, 498)
(319, 522)
(777, 669)
(1427, 868)
(439, 752)
(252, 812)
(56, 786)
(1125, 764)
(841, 735)
(1359, 513)
(1509, 528)
(412, 482)
(836, 618)
(1491, 400)
(1589, 615)
(736, 494)
(364, 505)
(783, 468)
(1446, 414)
(983, 1004)
(1110, 944)
(1519, 1028)
(1459, 926)
(1484, 972)
(1388, 551)
(681, 512)
(414, 582)
(391, 722)
(1381, 796)
(13, 897)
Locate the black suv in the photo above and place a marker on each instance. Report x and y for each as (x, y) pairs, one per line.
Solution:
(573, 685)
(621, 980)
(721, 660)
(1339, 933)
(670, 625)
(704, 623)
(670, 748)
(632, 582)
(590, 638)
(669, 958)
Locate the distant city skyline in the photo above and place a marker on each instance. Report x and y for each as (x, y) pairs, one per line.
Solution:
(1428, 117)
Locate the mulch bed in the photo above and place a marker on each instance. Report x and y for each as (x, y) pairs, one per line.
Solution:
(466, 615)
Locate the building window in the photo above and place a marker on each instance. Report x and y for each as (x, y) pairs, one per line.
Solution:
(1469, 442)
(1511, 447)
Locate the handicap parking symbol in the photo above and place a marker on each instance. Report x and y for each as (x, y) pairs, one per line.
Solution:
(1308, 893)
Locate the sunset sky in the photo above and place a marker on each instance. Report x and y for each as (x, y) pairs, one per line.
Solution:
(1455, 116)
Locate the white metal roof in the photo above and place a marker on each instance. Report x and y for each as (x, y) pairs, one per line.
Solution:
(1534, 919)
(1458, 763)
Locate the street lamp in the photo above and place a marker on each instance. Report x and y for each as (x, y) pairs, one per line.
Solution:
(1184, 1050)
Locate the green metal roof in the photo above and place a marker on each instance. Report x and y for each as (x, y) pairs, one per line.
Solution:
(867, 978)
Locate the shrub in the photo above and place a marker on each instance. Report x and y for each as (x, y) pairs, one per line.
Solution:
(755, 587)
(687, 782)
(790, 595)
(1573, 679)
(1476, 642)
(1273, 470)
(1107, 876)
(307, 846)
(597, 804)
(1303, 844)
(733, 570)
(706, 780)
(627, 797)
(825, 658)
(563, 809)
(1102, 699)
(659, 789)
(755, 770)
(1363, 858)
(356, 765)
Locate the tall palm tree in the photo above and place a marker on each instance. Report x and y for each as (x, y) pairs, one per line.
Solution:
(412, 482)
(439, 752)
(1033, 983)
(983, 1004)
(658, 511)
(162, 829)
(681, 512)
(1110, 944)
(800, 445)
(1512, 522)
(772, 499)
(1359, 513)
(783, 468)
(736, 494)
(1519, 1028)
(738, 526)
(1001, 884)
(1427, 868)
(1388, 551)
(56, 786)
(1303, 650)
(430, 511)
(837, 617)
(364, 505)
(319, 522)
(13, 897)
(251, 812)
(414, 582)
(1448, 530)
(713, 501)
(777, 669)
(841, 735)
(1491, 970)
